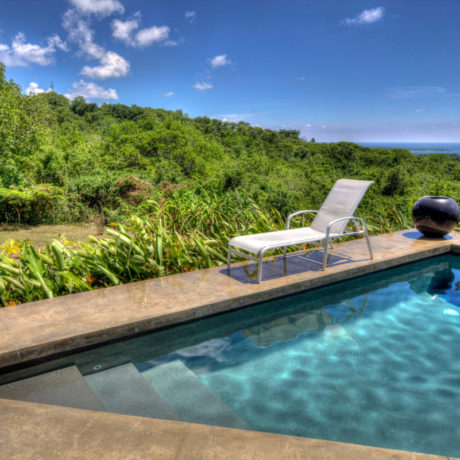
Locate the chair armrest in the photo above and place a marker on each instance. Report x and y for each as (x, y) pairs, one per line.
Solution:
(288, 220)
(353, 218)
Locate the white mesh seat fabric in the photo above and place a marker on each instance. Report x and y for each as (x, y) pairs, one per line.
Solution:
(330, 222)
(342, 201)
(292, 237)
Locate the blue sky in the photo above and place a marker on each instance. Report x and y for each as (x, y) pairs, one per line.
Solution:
(354, 70)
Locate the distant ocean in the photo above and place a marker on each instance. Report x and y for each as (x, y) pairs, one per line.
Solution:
(417, 147)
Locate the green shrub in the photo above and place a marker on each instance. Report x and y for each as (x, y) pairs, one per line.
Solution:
(101, 190)
(38, 204)
(97, 191)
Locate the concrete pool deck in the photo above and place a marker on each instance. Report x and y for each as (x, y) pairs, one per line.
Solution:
(39, 431)
(49, 327)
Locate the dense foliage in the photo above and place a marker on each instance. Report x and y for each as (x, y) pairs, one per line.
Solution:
(176, 233)
(86, 150)
(194, 183)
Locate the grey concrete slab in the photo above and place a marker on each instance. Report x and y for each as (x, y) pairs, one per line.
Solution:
(122, 390)
(38, 431)
(190, 399)
(62, 387)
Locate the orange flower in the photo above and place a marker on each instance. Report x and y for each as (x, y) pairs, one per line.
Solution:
(90, 279)
(12, 302)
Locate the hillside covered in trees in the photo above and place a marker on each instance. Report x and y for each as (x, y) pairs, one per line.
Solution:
(82, 152)
(176, 188)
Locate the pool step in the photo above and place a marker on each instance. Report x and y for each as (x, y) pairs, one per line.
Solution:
(190, 399)
(63, 387)
(123, 390)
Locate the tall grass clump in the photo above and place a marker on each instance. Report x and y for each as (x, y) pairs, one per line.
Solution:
(178, 231)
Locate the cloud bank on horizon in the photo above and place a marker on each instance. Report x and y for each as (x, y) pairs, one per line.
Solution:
(333, 70)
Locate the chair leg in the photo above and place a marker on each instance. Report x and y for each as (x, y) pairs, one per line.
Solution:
(260, 263)
(325, 252)
(368, 242)
(366, 234)
(229, 259)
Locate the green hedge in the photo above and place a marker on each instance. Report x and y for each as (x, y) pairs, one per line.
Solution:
(37, 205)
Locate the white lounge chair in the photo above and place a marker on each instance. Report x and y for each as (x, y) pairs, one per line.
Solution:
(330, 222)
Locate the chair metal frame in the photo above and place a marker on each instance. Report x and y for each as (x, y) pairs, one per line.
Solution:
(359, 223)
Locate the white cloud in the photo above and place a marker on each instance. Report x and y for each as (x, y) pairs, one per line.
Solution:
(112, 66)
(168, 94)
(190, 16)
(56, 42)
(308, 125)
(233, 117)
(219, 61)
(20, 53)
(421, 110)
(172, 42)
(34, 88)
(409, 92)
(323, 126)
(90, 90)
(125, 32)
(80, 32)
(100, 8)
(386, 132)
(122, 30)
(151, 35)
(366, 17)
(202, 85)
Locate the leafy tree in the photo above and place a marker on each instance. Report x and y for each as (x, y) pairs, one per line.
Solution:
(22, 121)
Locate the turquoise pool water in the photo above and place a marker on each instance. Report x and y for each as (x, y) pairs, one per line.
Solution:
(370, 361)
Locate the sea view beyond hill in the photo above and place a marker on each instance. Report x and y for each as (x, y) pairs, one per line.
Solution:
(418, 147)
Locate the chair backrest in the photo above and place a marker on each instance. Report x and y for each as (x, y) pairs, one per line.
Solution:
(342, 201)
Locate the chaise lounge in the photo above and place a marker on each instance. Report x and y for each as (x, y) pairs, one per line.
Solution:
(330, 222)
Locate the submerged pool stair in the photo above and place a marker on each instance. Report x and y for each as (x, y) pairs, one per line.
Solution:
(191, 399)
(169, 391)
(62, 387)
(123, 390)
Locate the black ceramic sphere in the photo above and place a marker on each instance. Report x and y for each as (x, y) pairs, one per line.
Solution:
(435, 216)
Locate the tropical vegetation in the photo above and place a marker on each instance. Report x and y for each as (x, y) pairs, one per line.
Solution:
(173, 189)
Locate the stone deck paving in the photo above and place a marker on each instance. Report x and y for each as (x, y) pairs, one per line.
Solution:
(39, 431)
(41, 329)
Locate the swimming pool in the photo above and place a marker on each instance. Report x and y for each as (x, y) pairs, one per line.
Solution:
(369, 361)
